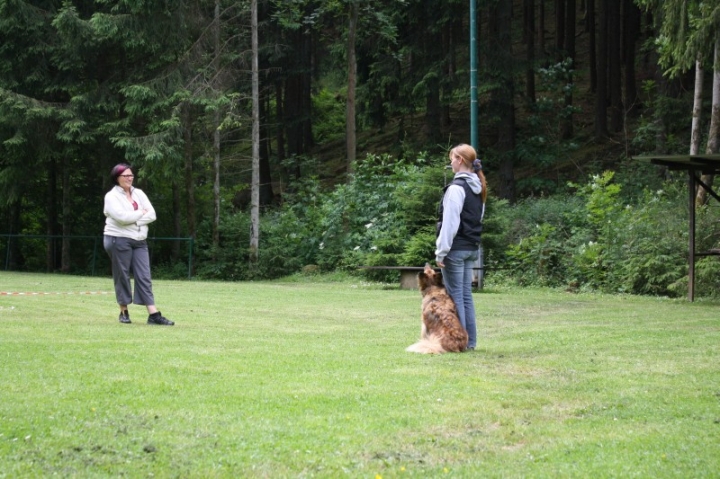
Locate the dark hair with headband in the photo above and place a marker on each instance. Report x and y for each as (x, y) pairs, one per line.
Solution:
(117, 170)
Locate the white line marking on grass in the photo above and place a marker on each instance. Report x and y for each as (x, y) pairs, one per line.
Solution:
(33, 293)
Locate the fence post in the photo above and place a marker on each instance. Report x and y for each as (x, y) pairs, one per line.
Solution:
(7, 253)
(94, 255)
(190, 253)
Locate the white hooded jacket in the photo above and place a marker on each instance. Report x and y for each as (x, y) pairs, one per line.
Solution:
(122, 219)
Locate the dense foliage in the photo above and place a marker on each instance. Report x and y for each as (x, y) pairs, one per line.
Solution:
(602, 235)
(85, 84)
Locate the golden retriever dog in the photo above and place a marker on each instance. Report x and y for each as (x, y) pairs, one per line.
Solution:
(441, 331)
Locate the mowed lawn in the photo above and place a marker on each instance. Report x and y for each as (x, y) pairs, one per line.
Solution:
(297, 378)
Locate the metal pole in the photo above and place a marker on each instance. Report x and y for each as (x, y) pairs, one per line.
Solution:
(691, 246)
(480, 273)
(473, 78)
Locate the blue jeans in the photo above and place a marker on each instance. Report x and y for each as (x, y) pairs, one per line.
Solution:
(457, 276)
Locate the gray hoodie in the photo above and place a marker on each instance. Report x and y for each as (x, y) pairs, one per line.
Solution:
(452, 206)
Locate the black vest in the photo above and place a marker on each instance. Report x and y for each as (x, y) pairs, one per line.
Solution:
(468, 234)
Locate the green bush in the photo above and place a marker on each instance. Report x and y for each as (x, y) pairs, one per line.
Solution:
(385, 208)
(647, 246)
(598, 239)
(534, 238)
(229, 261)
(604, 235)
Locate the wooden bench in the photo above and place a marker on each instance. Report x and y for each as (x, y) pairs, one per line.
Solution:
(408, 274)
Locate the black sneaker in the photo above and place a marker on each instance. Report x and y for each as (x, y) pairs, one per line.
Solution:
(158, 318)
(125, 317)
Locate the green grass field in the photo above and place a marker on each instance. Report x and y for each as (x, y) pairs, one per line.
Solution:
(311, 379)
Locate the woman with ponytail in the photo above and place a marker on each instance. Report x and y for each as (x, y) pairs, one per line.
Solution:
(459, 227)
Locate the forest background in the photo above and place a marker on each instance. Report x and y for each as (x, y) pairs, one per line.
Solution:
(358, 104)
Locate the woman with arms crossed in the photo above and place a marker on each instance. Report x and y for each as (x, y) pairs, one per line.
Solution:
(128, 211)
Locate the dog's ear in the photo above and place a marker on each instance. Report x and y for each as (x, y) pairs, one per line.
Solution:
(439, 279)
(423, 281)
(429, 270)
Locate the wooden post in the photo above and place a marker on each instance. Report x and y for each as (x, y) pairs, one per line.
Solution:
(691, 236)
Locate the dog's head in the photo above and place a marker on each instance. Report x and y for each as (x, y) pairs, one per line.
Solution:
(428, 277)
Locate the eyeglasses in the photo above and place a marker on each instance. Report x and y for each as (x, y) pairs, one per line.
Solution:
(128, 176)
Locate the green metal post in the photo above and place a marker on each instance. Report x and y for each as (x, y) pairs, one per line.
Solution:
(474, 141)
(473, 78)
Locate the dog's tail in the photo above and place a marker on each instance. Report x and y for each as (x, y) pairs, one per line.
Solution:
(429, 345)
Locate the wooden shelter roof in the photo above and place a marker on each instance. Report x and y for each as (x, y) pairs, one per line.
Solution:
(705, 164)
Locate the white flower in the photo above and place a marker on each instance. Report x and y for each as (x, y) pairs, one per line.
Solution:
(356, 248)
(322, 245)
(369, 225)
(373, 248)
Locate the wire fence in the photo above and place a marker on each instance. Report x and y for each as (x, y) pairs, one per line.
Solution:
(41, 252)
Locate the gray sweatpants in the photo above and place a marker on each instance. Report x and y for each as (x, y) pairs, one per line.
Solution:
(129, 256)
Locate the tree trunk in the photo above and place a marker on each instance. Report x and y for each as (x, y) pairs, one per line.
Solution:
(266, 190)
(51, 216)
(189, 183)
(350, 139)
(255, 184)
(293, 122)
(432, 109)
(569, 47)
(216, 144)
(450, 66)
(541, 29)
(713, 142)
(280, 116)
(298, 102)
(15, 258)
(592, 50)
(177, 223)
(66, 215)
(631, 33)
(307, 104)
(560, 26)
(614, 62)
(529, 34)
(502, 97)
(601, 95)
(432, 58)
(216, 183)
(431, 65)
(696, 131)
